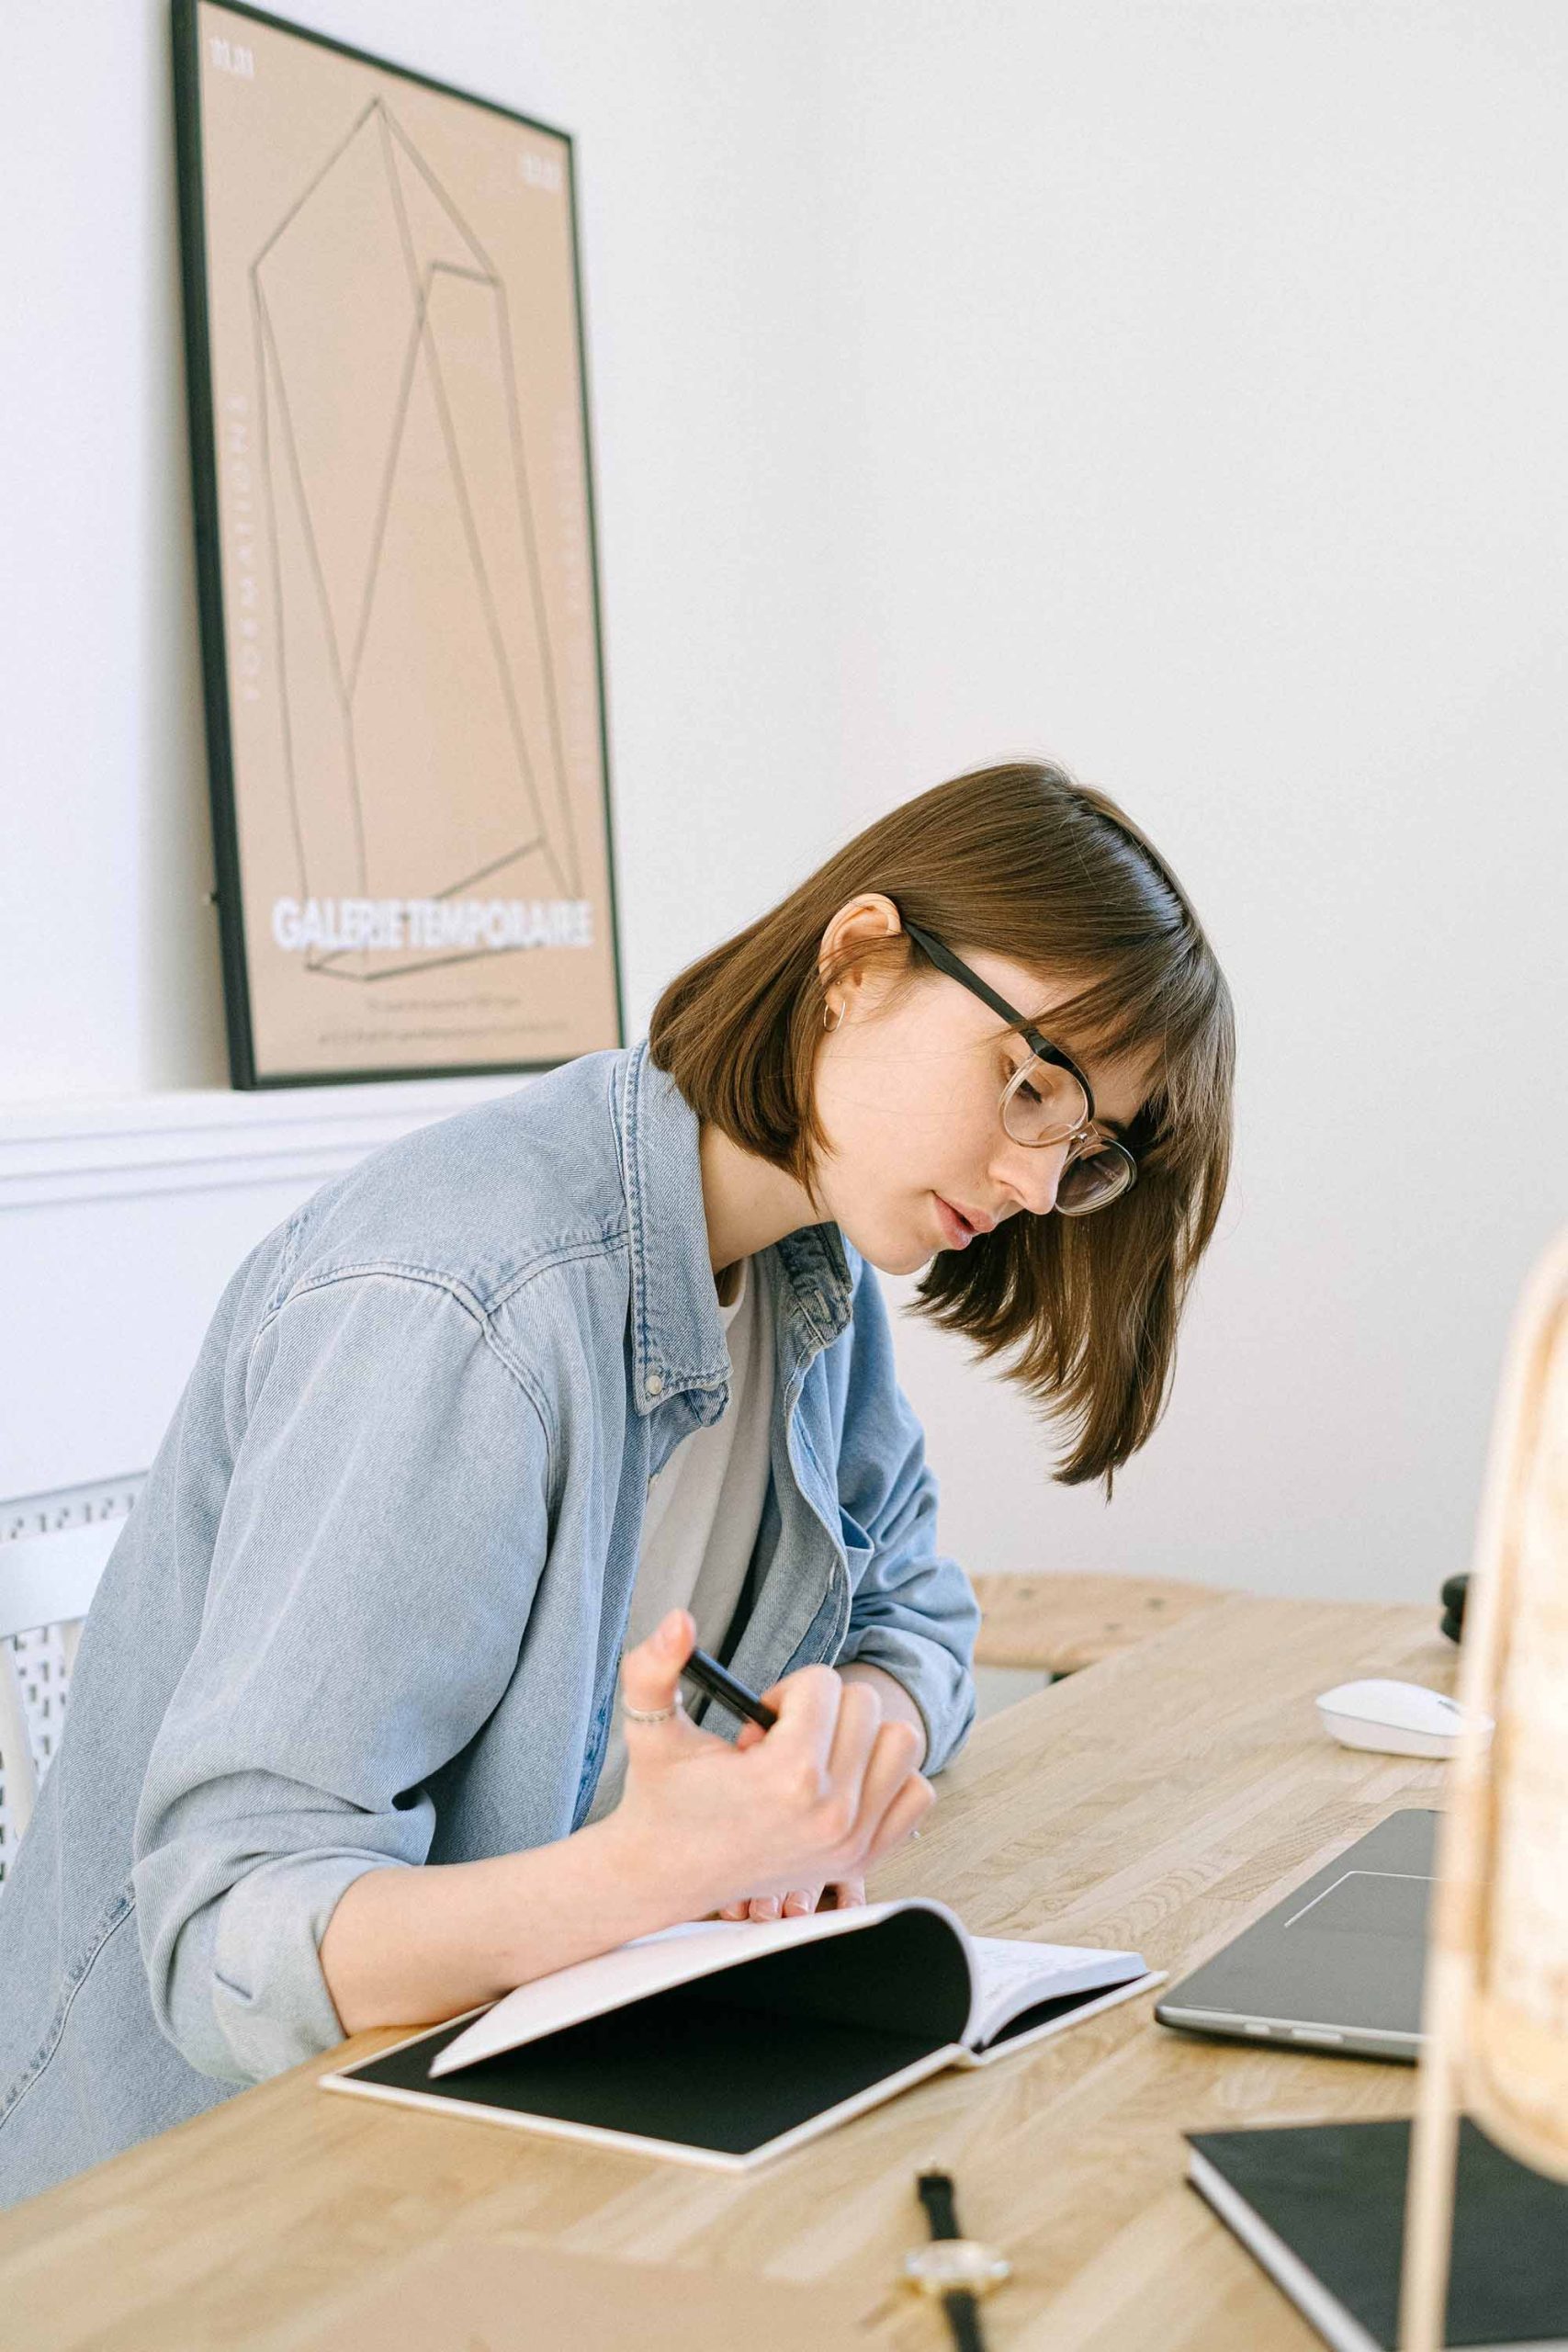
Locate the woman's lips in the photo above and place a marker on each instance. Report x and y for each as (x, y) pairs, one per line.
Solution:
(959, 1234)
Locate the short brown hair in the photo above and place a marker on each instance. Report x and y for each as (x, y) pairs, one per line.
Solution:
(1028, 862)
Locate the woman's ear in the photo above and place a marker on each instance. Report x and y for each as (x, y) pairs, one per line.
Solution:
(857, 986)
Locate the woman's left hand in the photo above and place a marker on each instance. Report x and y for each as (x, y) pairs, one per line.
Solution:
(846, 1893)
(800, 1899)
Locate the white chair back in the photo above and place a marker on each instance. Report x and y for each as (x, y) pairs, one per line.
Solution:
(50, 1560)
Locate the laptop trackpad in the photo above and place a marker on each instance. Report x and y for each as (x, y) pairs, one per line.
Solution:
(1367, 1902)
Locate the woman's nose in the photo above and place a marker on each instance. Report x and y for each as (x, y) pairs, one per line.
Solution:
(1033, 1172)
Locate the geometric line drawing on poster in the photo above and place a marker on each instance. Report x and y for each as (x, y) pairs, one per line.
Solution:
(416, 678)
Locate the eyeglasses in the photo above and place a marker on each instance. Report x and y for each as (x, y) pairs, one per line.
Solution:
(1048, 1099)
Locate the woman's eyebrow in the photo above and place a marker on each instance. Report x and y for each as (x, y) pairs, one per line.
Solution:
(1120, 1128)
(1117, 1127)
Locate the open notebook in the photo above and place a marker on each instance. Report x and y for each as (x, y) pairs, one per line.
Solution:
(722, 2043)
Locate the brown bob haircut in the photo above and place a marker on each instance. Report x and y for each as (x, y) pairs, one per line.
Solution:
(1025, 862)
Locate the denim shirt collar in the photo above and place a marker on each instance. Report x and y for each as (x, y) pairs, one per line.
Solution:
(677, 1334)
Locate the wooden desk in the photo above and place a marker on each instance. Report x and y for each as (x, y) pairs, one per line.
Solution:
(1161, 1799)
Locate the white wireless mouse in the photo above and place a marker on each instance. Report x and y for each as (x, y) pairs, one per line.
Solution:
(1395, 1718)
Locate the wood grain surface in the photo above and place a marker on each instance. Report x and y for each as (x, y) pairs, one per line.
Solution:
(1162, 1799)
(1066, 1622)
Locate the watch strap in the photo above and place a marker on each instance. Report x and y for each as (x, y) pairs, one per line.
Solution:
(936, 2195)
(963, 2308)
(964, 2319)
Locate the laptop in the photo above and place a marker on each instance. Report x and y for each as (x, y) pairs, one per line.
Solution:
(1337, 1965)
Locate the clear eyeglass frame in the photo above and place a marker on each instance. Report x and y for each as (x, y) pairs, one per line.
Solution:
(1048, 1100)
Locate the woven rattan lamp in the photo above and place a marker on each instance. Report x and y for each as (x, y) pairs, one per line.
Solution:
(1497, 2012)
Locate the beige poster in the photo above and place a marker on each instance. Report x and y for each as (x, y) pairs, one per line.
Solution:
(395, 532)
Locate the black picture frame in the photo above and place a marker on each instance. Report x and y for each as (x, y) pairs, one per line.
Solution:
(250, 1068)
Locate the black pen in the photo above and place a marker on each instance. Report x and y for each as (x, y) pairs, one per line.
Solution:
(720, 1684)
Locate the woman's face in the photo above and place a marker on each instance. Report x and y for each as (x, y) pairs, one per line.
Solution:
(908, 1087)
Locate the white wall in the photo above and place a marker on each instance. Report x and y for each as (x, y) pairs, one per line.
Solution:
(1203, 428)
(1169, 388)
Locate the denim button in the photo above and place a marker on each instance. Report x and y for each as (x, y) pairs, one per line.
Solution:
(655, 1383)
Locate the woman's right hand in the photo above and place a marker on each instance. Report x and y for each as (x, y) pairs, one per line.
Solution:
(828, 1791)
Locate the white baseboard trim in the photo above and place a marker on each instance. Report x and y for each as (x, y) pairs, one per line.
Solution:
(197, 1141)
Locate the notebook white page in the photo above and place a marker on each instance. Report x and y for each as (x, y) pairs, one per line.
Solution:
(1013, 1976)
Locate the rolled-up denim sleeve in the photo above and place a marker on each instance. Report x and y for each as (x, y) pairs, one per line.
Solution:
(378, 1546)
(912, 1610)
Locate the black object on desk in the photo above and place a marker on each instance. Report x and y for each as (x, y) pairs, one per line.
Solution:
(1454, 1591)
(1322, 2207)
(957, 2270)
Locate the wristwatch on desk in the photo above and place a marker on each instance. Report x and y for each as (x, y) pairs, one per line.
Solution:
(958, 2269)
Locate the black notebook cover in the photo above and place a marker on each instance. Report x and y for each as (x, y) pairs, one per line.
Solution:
(1332, 2196)
(697, 2074)
(730, 2061)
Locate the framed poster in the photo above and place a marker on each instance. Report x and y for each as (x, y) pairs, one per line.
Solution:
(396, 565)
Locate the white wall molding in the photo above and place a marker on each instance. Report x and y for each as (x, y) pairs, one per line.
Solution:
(201, 1141)
(120, 1222)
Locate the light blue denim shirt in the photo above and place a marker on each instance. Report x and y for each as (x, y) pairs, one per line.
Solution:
(370, 1607)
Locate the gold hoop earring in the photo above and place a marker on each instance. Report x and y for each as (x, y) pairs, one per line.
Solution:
(837, 1026)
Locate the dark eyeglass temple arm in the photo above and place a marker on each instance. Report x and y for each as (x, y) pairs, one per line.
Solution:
(946, 961)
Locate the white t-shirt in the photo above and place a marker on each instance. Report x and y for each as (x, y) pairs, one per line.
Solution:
(704, 1509)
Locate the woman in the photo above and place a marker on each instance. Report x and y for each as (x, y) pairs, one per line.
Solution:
(598, 1368)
